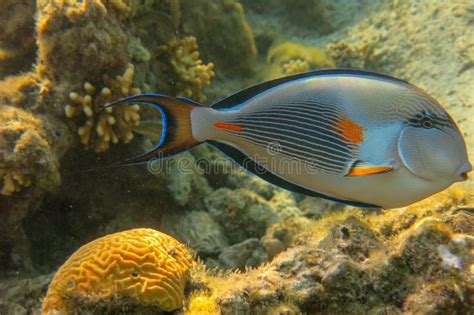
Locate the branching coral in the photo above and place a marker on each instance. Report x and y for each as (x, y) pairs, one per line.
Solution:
(141, 267)
(190, 73)
(101, 128)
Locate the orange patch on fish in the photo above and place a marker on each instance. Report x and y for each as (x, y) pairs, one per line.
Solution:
(368, 170)
(225, 126)
(351, 130)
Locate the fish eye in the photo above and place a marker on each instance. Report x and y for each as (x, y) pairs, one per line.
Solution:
(427, 122)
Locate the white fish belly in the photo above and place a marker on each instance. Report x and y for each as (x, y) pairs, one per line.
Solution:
(389, 190)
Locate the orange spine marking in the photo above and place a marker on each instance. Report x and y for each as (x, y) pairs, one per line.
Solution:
(361, 171)
(351, 130)
(227, 126)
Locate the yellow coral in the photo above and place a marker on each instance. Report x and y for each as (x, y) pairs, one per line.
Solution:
(202, 303)
(108, 126)
(13, 181)
(291, 58)
(192, 75)
(22, 136)
(15, 90)
(352, 56)
(295, 66)
(287, 51)
(136, 267)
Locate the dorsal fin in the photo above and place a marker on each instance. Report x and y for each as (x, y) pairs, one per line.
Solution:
(257, 169)
(247, 93)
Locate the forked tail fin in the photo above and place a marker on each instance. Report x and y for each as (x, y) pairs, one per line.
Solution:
(176, 133)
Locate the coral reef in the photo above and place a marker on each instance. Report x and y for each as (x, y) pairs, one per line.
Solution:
(263, 250)
(187, 75)
(140, 267)
(109, 126)
(344, 264)
(78, 41)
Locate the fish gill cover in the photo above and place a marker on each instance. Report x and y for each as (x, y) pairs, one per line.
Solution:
(257, 248)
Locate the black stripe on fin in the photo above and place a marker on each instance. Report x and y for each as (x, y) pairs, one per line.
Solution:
(257, 169)
(247, 93)
(176, 133)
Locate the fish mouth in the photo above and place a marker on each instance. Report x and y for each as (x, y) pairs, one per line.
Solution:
(464, 171)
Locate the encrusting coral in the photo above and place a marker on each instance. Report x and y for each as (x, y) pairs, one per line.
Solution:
(188, 73)
(133, 268)
(109, 126)
(26, 151)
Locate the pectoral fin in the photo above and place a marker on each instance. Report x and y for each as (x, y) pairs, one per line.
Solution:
(361, 169)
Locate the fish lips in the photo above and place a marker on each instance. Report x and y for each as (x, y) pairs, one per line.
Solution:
(463, 171)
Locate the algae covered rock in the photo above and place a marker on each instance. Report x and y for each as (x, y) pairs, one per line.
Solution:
(31, 146)
(242, 213)
(248, 253)
(281, 235)
(21, 295)
(199, 230)
(342, 264)
(182, 179)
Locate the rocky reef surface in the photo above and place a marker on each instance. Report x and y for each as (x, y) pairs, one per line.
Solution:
(256, 248)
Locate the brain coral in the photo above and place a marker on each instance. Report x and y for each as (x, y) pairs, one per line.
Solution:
(141, 267)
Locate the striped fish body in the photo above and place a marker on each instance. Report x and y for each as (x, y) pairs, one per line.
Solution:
(332, 133)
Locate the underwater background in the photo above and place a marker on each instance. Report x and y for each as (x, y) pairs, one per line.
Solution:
(250, 247)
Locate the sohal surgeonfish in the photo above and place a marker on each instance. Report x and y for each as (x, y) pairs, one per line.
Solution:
(356, 137)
